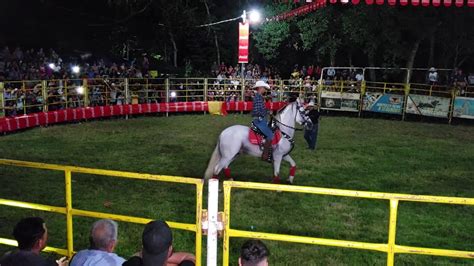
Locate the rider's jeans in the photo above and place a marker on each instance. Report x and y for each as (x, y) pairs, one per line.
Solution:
(262, 124)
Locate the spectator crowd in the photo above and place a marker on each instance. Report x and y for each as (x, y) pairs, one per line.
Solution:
(31, 235)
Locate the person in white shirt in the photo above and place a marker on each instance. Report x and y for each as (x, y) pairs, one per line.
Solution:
(103, 240)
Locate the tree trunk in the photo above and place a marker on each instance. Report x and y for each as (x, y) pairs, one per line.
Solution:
(411, 57)
(371, 59)
(216, 41)
(432, 51)
(175, 49)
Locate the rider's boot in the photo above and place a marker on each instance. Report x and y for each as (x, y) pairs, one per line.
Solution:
(267, 151)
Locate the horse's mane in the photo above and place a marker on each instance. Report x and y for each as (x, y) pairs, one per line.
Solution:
(284, 107)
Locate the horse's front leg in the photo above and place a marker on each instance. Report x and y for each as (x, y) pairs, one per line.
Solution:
(291, 177)
(276, 168)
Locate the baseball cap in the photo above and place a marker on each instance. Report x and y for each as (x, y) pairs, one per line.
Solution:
(156, 240)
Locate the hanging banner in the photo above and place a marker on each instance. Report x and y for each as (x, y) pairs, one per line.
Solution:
(464, 107)
(243, 42)
(383, 103)
(427, 105)
(340, 101)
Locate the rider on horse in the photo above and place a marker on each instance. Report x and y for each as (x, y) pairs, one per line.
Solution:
(259, 116)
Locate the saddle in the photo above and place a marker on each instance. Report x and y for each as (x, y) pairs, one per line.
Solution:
(256, 136)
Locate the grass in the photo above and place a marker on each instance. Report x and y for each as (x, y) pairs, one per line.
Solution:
(362, 154)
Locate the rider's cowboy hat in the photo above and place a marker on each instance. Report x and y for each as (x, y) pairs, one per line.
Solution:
(261, 83)
(432, 69)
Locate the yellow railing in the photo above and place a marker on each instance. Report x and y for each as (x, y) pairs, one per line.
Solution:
(70, 212)
(390, 248)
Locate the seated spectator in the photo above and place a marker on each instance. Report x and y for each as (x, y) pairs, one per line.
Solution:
(157, 241)
(103, 240)
(31, 234)
(254, 253)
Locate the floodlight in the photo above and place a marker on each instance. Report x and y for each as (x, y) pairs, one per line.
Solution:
(173, 94)
(254, 16)
(52, 66)
(80, 90)
(75, 69)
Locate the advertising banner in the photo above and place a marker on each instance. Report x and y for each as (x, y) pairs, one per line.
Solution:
(464, 107)
(383, 103)
(340, 101)
(243, 42)
(428, 105)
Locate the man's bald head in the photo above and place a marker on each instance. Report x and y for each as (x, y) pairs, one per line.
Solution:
(104, 235)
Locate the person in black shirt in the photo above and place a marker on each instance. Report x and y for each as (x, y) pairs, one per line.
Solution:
(311, 130)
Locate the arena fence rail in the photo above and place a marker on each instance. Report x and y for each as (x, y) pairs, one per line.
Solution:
(70, 212)
(391, 248)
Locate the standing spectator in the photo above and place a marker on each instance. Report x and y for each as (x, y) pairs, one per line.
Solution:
(31, 234)
(310, 71)
(157, 241)
(103, 240)
(432, 76)
(311, 130)
(459, 80)
(254, 253)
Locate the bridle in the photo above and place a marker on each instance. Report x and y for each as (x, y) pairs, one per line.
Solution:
(299, 110)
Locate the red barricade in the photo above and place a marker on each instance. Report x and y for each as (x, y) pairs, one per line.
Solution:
(10, 124)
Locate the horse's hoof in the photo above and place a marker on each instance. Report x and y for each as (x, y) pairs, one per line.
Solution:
(276, 181)
(288, 182)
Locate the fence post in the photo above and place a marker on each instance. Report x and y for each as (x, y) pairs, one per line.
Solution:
(86, 93)
(392, 231)
(205, 91)
(2, 100)
(226, 242)
(362, 93)
(70, 244)
(405, 97)
(451, 108)
(167, 89)
(23, 89)
(243, 89)
(45, 95)
(127, 93)
(65, 92)
(212, 214)
(199, 195)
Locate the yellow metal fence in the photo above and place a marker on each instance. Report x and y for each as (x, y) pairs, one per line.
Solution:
(390, 248)
(70, 212)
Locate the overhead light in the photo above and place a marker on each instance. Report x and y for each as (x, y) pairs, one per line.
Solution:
(254, 16)
(76, 69)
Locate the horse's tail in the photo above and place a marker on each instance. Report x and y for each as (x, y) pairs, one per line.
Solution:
(215, 157)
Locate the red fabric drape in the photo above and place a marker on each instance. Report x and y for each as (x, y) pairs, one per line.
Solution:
(459, 3)
(415, 2)
(436, 3)
(425, 2)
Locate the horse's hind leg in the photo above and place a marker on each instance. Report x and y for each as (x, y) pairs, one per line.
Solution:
(223, 164)
(291, 177)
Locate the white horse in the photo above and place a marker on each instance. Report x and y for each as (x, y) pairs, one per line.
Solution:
(235, 139)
